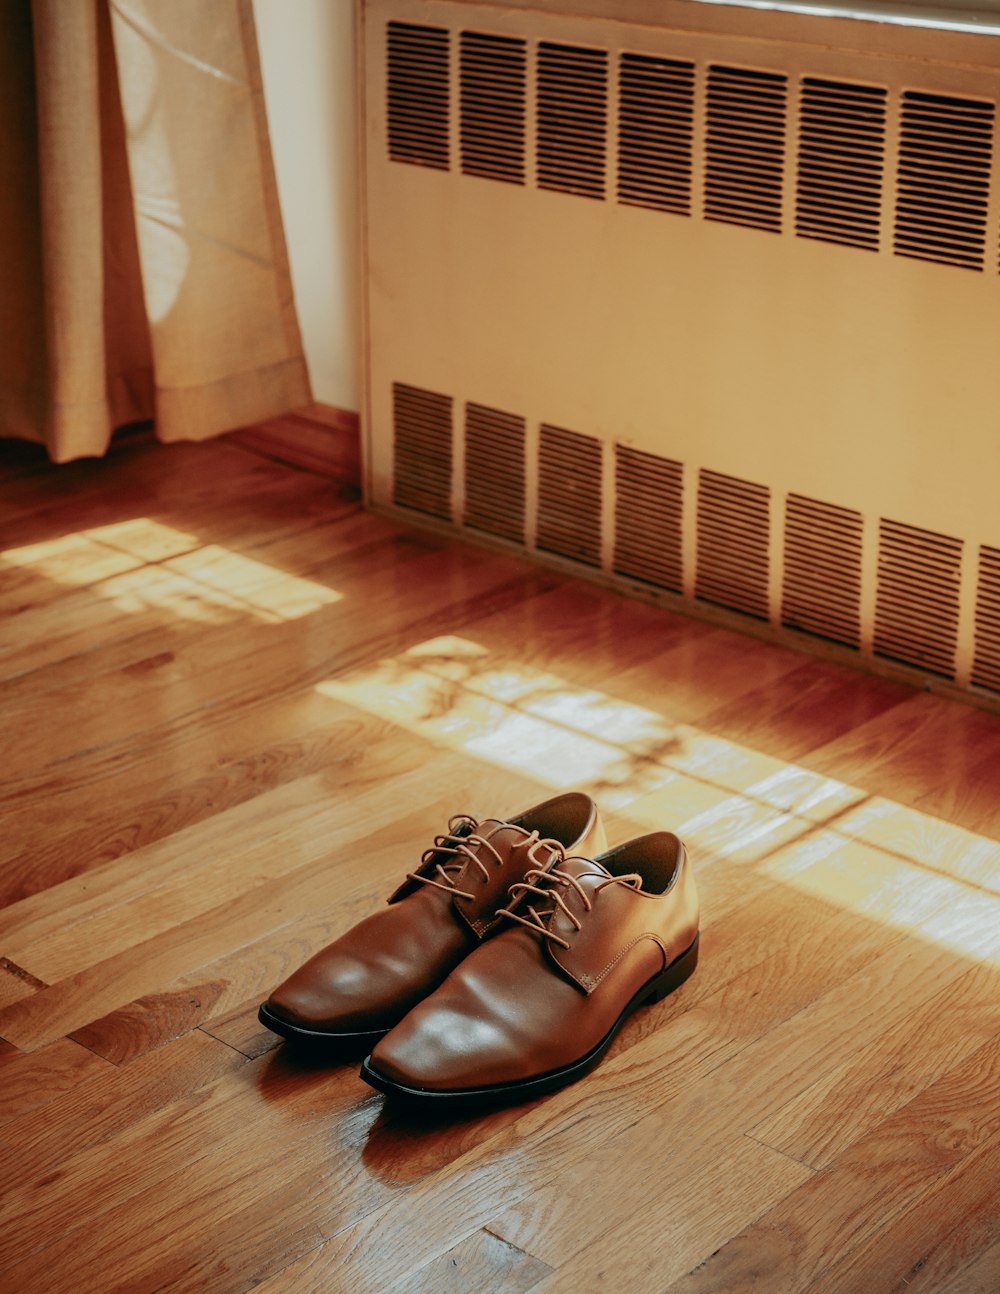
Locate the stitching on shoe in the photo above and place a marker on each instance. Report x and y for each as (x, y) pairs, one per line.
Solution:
(593, 981)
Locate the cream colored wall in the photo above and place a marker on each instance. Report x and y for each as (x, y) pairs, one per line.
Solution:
(307, 61)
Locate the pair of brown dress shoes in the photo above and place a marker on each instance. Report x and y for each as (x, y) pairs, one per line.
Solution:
(504, 965)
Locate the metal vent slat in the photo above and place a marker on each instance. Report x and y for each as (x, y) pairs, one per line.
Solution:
(422, 436)
(821, 594)
(572, 119)
(943, 179)
(733, 528)
(986, 660)
(493, 106)
(569, 494)
(494, 472)
(648, 514)
(841, 145)
(745, 147)
(418, 94)
(916, 606)
(655, 124)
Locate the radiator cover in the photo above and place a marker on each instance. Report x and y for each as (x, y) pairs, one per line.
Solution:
(702, 302)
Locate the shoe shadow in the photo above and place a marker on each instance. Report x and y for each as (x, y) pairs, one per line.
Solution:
(406, 1144)
(291, 1072)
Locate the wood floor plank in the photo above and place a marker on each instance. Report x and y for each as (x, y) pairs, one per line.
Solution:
(979, 1276)
(918, 753)
(177, 862)
(67, 562)
(241, 1029)
(700, 673)
(16, 983)
(805, 708)
(718, 1106)
(226, 1144)
(927, 841)
(855, 1097)
(168, 482)
(147, 593)
(299, 816)
(180, 878)
(797, 1243)
(230, 664)
(644, 1233)
(100, 1107)
(482, 1262)
(210, 1122)
(955, 1220)
(224, 764)
(395, 612)
(30, 1082)
(577, 632)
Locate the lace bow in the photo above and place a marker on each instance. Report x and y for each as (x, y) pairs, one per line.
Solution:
(552, 883)
(460, 841)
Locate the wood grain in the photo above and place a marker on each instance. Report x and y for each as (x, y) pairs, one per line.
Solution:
(880, 1175)
(318, 438)
(954, 1221)
(31, 1082)
(855, 1097)
(240, 707)
(482, 1262)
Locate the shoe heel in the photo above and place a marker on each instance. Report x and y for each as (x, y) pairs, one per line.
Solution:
(680, 969)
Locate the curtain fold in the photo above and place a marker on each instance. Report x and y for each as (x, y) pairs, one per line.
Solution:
(143, 270)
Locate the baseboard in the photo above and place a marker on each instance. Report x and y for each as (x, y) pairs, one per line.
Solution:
(317, 438)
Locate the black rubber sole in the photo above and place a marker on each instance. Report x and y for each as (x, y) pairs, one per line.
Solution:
(526, 1089)
(333, 1044)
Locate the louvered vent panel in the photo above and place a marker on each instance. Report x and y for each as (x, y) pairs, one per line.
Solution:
(655, 118)
(648, 512)
(841, 144)
(494, 472)
(745, 147)
(732, 554)
(492, 78)
(822, 584)
(916, 603)
(422, 450)
(944, 179)
(572, 119)
(418, 94)
(986, 661)
(569, 495)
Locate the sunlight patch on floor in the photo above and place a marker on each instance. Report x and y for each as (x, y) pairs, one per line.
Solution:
(141, 564)
(828, 839)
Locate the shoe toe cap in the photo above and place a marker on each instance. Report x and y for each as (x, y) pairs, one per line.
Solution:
(442, 1050)
(342, 1000)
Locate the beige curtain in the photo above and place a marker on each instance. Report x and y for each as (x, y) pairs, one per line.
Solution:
(143, 271)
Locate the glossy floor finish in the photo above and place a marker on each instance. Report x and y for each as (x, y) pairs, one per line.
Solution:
(235, 708)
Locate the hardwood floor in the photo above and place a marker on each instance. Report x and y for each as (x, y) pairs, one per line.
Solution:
(235, 708)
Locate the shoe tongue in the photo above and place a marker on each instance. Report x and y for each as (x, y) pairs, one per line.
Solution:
(579, 868)
(503, 836)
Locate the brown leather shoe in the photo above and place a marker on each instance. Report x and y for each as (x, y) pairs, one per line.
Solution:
(362, 984)
(538, 1005)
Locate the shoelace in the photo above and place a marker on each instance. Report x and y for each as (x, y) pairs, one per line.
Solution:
(556, 881)
(461, 848)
